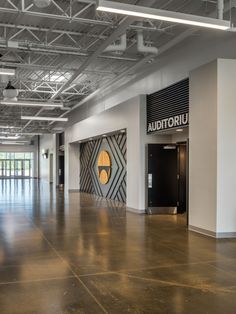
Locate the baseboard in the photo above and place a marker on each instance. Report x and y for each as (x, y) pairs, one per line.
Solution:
(217, 235)
(224, 235)
(162, 210)
(136, 211)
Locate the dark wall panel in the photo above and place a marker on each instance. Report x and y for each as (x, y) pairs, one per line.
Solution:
(168, 108)
(115, 145)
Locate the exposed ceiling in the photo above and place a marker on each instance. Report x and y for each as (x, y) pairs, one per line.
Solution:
(58, 51)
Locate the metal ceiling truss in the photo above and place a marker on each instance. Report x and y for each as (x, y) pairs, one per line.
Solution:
(68, 12)
(58, 61)
(64, 11)
(31, 42)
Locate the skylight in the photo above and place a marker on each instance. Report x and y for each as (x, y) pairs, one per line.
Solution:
(57, 77)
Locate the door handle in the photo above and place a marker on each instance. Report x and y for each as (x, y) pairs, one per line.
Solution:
(150, 180)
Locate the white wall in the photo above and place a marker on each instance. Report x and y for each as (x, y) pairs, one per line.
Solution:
(47, 141)
(212, 206)
(130, 115)
(203, 147)
(226, 149)
(180, 136)
(72, 166)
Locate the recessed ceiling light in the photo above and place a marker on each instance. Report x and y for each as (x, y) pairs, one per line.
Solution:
(179, 130)
(161, 15)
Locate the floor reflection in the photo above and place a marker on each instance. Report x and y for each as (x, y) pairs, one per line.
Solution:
(83, 253)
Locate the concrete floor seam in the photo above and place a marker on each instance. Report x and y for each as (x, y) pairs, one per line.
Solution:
(36, 280)
(68, 265)
(169, 283)
(78, 262)
(168, 266)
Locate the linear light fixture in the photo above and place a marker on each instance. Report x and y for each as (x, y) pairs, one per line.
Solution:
(9, 127)
(20, 134)
(31, 104)
(14, 143)
(5, 71)
(162, 15)
(9, 137)
(43, 118)
(29, 134)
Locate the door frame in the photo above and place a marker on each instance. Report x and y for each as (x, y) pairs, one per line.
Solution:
(15, 161)
(51, 161)
(172, 210)
(187, 175)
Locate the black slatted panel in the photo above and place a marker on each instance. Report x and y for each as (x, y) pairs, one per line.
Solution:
(168, 102)
(89, 181)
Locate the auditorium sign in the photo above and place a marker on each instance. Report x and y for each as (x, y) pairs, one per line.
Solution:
(168, 123)
(168, 108)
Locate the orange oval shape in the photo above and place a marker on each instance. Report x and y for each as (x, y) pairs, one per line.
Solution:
(104, 167)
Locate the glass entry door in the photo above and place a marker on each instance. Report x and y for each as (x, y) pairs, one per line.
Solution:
(15, 168)
(18, 171)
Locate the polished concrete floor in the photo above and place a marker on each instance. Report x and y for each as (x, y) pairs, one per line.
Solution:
(82, 254)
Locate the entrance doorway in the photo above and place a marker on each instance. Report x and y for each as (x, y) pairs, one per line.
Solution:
(15, 168)
(61, 170)
(167, 178)
(51, 168)
(16, 165)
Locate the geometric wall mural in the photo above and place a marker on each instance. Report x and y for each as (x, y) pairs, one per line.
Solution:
(103, 167)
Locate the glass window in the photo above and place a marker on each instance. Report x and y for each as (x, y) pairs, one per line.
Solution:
(18, 164)
(28, 155)
(2, 155)
(19, 156)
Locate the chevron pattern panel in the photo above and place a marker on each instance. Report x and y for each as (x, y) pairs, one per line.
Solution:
(115, 145)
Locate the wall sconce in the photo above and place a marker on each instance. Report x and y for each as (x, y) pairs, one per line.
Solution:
(45, 153)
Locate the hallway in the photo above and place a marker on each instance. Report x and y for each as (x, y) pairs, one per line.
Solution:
(83, 254)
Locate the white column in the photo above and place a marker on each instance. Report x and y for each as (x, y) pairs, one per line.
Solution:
(212, 186)
(72, 166)
(226, 150)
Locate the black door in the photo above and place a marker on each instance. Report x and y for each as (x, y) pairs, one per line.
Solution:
(162, 178)
(61, 170)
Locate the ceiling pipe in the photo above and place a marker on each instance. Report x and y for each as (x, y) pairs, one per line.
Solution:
(220, 8)
(141, 47)
(122, 46)
(55, 50)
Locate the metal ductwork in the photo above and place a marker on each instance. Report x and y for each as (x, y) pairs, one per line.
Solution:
(141, 47)
(42, 3)
(220, 4)
(10, 93)
(122, 46)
